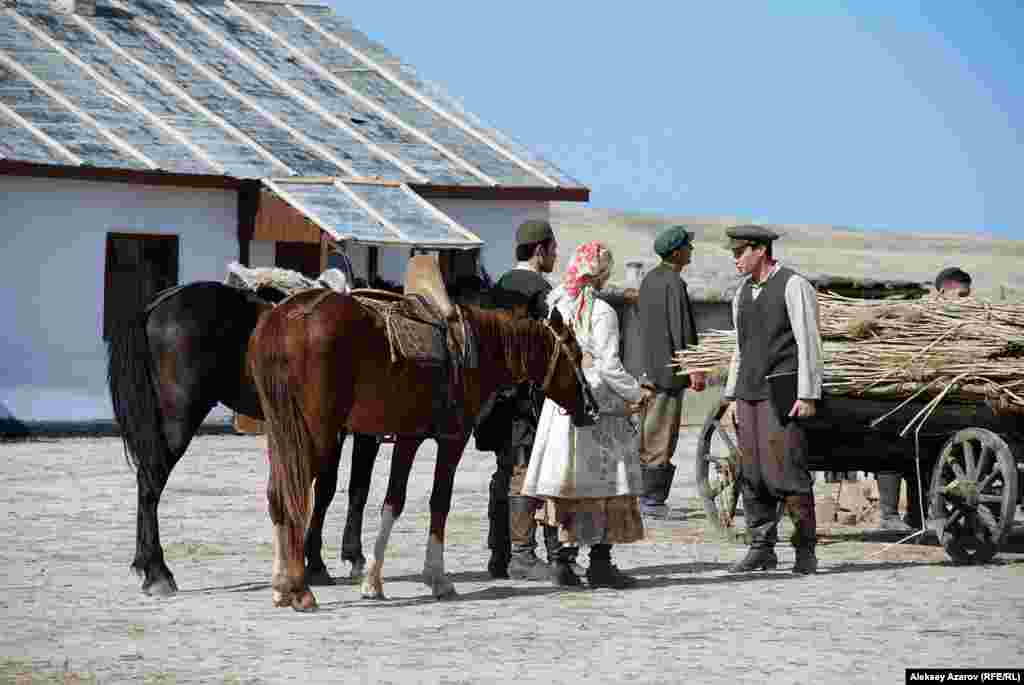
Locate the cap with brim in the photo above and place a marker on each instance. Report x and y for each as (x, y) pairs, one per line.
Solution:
(672, 239)
(741, 236)
(534, 231)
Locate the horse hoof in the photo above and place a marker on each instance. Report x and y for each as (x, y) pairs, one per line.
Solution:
(358, 572)
(447, 592)
(321, 577)
(304, 603)
(160, 588)
(370, 592)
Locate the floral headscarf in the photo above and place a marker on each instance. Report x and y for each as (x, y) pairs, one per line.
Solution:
(590, 262)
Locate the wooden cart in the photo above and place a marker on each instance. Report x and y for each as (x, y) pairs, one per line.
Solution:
(971, 461)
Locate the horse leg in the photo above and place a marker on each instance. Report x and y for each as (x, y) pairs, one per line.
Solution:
(364, 454)
(324, 487)
(449, 453)
(149, 554)
(288, 579)
(401, 464)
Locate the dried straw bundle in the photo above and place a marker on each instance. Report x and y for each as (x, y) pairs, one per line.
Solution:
(964, 349)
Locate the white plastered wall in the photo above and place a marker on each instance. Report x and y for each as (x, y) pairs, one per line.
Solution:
(52, 260)
(496, 224)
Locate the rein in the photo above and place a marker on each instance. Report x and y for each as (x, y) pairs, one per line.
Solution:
(560, 346)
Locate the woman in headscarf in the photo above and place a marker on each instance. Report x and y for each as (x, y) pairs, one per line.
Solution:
(590, 477)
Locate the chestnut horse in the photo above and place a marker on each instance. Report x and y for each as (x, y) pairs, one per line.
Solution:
(167, 368)
(321, 365)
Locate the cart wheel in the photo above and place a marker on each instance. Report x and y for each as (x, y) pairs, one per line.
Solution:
(717, 459)
(973, 495)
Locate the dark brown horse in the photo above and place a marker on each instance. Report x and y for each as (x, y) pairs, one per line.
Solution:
(321, 365)
(167, 368)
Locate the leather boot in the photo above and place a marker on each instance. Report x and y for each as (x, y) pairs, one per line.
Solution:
(657, 483)
(888, 502)
(561, 559)
(563, 568)
(498, 537)
(603, 573)
(524, 563)
(800, 509)
(764, 532)
(761, 555)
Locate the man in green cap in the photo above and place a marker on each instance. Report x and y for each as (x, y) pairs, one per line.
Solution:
(774, 381)
(668, 325)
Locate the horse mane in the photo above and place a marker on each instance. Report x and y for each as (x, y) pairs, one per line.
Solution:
(523, 341)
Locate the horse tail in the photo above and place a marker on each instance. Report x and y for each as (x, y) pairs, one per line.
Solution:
(134, 399)
(291, 443)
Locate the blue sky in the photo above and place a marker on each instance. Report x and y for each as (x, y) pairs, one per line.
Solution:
(904, 116)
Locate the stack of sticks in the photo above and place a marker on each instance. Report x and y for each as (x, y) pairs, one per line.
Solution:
(963, 349)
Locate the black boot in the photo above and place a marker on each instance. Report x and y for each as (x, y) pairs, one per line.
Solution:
(603, 573)
(524, 563)
(800, 509)
(498, 539)
(889, 501)
(563, 573)
(764, 531)
(657, 483)
(561, 559)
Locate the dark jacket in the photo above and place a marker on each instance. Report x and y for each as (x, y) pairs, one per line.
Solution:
(668, 325)
(508, 421)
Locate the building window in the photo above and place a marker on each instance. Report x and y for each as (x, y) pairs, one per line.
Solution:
(138, 267)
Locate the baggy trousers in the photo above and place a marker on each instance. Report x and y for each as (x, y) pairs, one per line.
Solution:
(660, 429)
(773, 470)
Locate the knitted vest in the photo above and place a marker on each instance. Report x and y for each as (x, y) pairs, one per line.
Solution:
(765, 336)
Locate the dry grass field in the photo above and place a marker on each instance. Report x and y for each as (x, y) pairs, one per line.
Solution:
(814, 250)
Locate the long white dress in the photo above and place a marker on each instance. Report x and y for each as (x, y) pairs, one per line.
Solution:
(596, 469)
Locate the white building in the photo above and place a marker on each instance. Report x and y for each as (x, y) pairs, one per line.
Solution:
(145, 143)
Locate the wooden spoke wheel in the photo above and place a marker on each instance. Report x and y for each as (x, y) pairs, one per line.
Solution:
(973, 495)
(717, 468)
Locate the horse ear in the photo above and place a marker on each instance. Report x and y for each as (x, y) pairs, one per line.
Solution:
(556, 318)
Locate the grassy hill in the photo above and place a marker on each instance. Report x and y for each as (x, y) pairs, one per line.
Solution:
(815, 250)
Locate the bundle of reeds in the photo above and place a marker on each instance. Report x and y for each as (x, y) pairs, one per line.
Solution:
(964, 349)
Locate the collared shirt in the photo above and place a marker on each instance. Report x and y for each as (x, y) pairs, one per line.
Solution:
(802, 307)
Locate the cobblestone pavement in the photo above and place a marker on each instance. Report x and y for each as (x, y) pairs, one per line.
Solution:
(72, 611)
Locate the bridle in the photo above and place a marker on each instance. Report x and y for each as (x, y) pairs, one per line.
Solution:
(562, 346)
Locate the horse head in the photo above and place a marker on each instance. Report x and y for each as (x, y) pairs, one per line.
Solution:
(564, 382)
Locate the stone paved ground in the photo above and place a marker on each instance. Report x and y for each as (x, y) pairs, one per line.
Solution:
(73, 613)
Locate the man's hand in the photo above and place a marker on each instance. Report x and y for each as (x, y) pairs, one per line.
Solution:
(698, 380)
(729, 415)
(631, 295)
(803, 409)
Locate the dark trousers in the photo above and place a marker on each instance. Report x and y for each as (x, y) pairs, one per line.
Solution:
(773, 471)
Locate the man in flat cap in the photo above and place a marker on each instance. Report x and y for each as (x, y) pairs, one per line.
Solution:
(668, 325)
(508, 425)
(774, 381)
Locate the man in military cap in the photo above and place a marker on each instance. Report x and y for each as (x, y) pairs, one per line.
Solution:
(668, 325)
(512, 422)
(774, 382)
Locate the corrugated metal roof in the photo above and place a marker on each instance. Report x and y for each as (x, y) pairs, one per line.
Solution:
(245, 90)
(373, 213)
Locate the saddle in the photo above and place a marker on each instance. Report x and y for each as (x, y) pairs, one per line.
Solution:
(424, 327)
